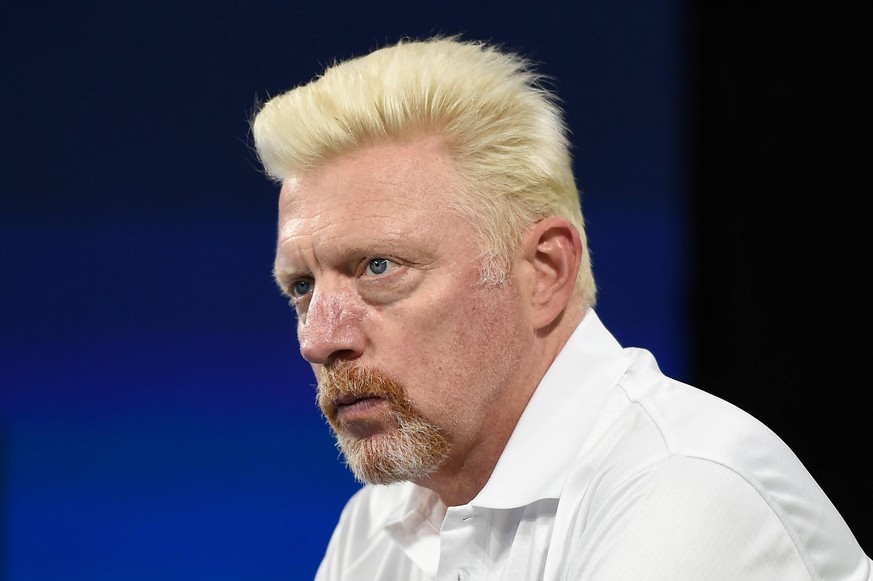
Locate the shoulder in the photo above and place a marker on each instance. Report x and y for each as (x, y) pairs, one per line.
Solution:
(679, 471)
(651, 417)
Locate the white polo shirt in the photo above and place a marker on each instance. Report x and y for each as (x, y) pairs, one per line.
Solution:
(614, 472)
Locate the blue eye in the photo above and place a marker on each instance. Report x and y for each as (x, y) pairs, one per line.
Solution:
(301, 287)
(378, 266)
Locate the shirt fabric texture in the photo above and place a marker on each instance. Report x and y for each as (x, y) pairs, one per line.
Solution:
(613, 472)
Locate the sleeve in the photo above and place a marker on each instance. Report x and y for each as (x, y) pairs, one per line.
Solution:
(686, 519)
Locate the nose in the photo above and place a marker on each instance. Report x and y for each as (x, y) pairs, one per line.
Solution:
(331, 330)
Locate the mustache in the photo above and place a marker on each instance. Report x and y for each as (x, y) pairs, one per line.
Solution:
(346, 380)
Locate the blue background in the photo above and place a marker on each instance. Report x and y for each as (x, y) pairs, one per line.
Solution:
(156, 420)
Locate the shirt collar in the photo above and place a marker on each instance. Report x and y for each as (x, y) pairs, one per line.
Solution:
(557, 420)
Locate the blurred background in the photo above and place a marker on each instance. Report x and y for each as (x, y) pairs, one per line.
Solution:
(156, 419)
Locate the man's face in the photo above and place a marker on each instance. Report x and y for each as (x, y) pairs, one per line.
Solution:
(416, 359)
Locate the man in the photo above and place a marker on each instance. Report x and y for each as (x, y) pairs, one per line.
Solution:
(432, 244)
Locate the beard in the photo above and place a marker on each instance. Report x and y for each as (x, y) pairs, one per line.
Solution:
(407, 448)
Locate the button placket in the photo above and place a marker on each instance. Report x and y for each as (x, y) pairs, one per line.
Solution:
(460, 544)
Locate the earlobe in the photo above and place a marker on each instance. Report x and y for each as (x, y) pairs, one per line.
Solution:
(552, 253)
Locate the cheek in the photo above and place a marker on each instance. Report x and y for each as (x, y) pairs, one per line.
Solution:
(467, 354)
(491, 339)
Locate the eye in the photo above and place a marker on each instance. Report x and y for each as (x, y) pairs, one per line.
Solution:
(301, 287)
(379, 266)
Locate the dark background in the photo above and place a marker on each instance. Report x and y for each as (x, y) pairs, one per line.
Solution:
(155, 418)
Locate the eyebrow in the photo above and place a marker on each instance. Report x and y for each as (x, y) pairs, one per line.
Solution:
(283, 277)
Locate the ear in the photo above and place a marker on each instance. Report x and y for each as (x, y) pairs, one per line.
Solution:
(551, 253)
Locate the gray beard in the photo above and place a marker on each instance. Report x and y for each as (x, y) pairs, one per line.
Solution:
(409, 451)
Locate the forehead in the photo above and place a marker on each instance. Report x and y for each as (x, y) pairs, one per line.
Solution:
(404, 184)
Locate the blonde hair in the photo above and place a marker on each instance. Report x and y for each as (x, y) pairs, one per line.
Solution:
(503, 129)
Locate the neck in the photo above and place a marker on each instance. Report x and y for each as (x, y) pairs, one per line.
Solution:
(459, 481)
